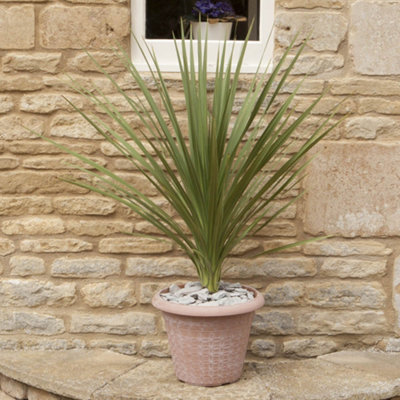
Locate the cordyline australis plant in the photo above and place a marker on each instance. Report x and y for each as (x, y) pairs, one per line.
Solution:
(220, 171)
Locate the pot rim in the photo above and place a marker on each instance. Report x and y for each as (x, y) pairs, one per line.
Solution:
(211, 311)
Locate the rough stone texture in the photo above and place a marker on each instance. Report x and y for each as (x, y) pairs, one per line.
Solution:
(89, 205)
(6, 247)
(159, 267)
(108, 61)
(374, 47)
(88, 267)
(128, 348)
(33, 226)
(312, 3)
(98, 228)
(313, 64)
(135, 246)
(107, 294)
(13, 388)
(283, 294)
(26, 266)
(47, 103)
(8, 162)
(154, 348)
(263, 348)
(14, 206)
(72, 126)
(273, 323)
(82, 27)
(6, 104)
(324, 31)
(396, 290)
(352, 268)
(128, 323)
(55, 245)
(344, 208)
(33, 62)
(369, 127)
(308, 347)
(37, 394)
(17, 27)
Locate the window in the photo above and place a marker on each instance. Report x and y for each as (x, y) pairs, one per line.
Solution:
(153, 21)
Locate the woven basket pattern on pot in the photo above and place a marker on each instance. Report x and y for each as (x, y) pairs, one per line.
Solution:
(208, 351)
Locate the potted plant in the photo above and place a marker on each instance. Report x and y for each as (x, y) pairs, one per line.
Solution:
(214, 18)
(220, 171)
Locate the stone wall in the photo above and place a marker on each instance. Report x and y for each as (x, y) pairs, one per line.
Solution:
(70, 278)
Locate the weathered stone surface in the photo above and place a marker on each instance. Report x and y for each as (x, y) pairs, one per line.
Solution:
(17, 27)
(154, 348)
(26, 266)
(135, 246)
(6, 247)
(374, 47)
(244, 247)
(313, 64)
(88, 267)
(109, 294)
(82, 27)
(308, 347)
(160, 267)
(13, 206)
(46, 103)
(59, 163)
(370, 127)
(107, 61)
(88, 205)
(270, 267)
(32, 293)
(378, 105)
(283, 294)
(124, 347)
(278, 228)
(98, 228)
(326, 105)
(72, 126)
(273, 323)
(338, 322)
(33, 62)
(339, 205)
(33, 226)
(55, 245)
(37, 394)
(4, 396)
(20, 83)
(8, 162)
(396, 290)
(263, 348)
(147, 290)
(6, 103)
(72, 373)
(30, 323)
(324, 31)
(128, 323)
(62, 83)
(352, 268)
(347, 295)
(13, 388)
(312, 3)
(41, 147)
(345, 248)
(364, 86)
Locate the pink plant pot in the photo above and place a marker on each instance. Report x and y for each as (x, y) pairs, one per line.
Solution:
(208, 344)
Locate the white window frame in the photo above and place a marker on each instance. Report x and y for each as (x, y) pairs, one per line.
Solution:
(165, 49)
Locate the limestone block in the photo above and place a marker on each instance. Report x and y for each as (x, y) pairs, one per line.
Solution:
(325, 31)
(364, 86)
(32, 293)
(4, 396)
(263, 348)
(283, 294)
(33, 62)
(273, 323)
(62, 83)
(107, 294)
(6, 247)
(88, 267)
(13, 206)
(345, 248)
(244, 247)
(159, 267)
(327, 105)
(339, 322)
(374, 46)
(396, 290)
(378, 105)
(352, 268)
(59, 163)
(370, 127)
(128, 323)
(12, 127)
(148, 289)
(154, 348)
(40, 147)
(89, 205)
(55, 245)
(270, 267)
(26, 266)
(348, 295)
(46, 103)
(72, 126)
(17, 27)
(98, 228)
(354, 200)
(6, 104)
(108, 61)
(37, 394)
(15, 389)
(311, 3)
(140, 183)
(33, 226)
(124, 347)
(310, 347)
(80, 27)
(8, 162)
(20, 83)
(134, 246)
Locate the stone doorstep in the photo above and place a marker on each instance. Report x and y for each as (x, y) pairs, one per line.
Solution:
(104, 375)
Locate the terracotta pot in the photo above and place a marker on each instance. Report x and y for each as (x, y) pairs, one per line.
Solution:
(208, 344)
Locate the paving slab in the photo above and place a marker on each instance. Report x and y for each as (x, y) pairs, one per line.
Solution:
(72, 373)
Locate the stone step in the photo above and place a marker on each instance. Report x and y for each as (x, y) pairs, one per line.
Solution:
(104, 375)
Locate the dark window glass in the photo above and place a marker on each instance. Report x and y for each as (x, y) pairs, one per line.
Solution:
(163, 18)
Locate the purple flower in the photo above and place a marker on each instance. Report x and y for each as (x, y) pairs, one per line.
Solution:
(209, 9)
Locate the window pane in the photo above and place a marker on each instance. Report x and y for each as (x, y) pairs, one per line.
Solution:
(163, 17)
